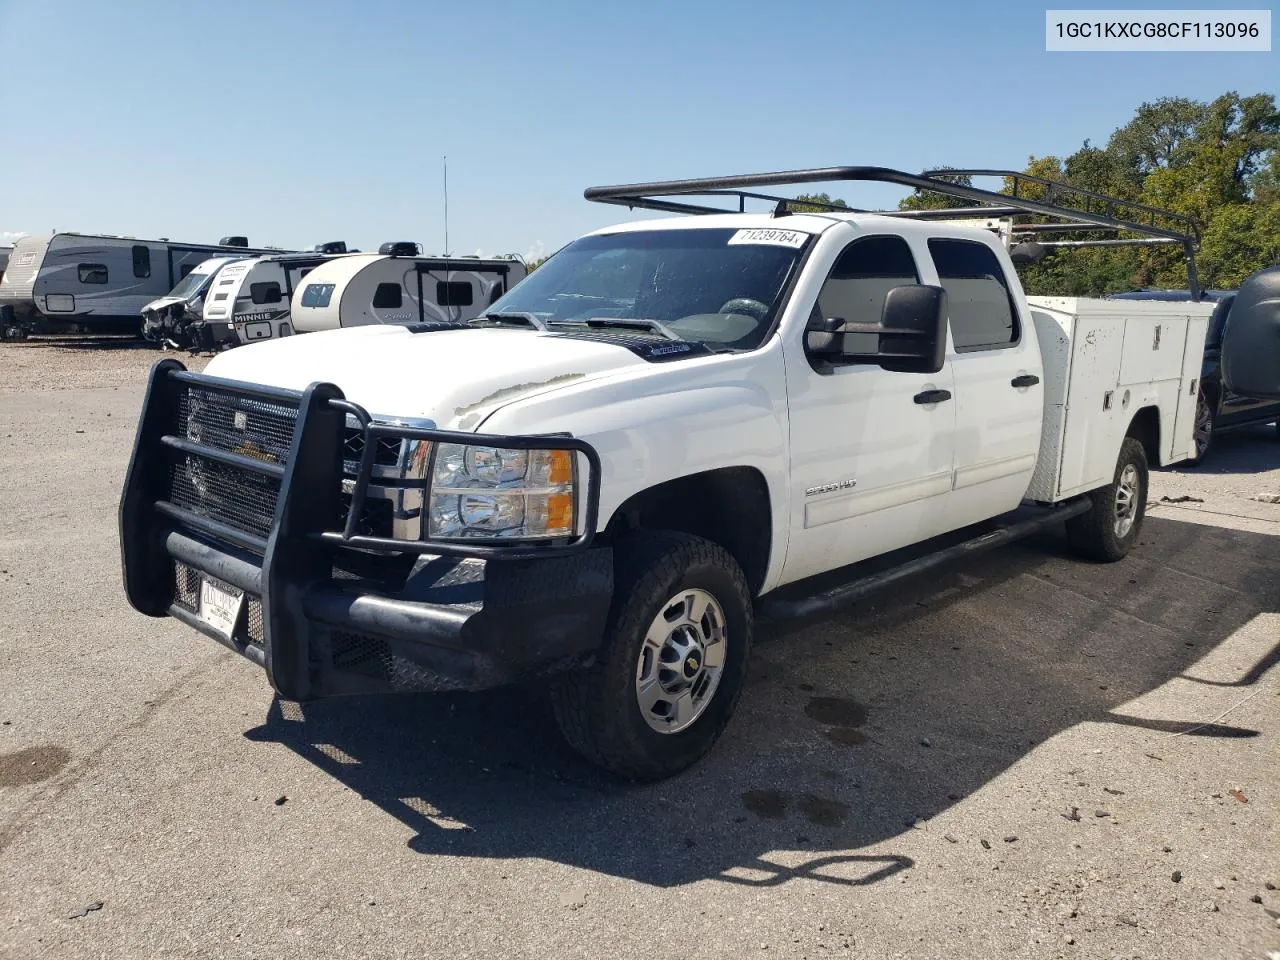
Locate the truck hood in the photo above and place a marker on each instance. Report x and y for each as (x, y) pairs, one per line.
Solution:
(455, 378)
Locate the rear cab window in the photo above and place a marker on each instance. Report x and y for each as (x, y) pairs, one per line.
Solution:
(979, 303)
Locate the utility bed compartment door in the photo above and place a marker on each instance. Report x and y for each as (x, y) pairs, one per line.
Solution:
(1153, 349)
(1180, 444)
(1094, 409)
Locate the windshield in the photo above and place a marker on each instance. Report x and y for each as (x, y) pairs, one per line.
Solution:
(720, 287)
(190, 285)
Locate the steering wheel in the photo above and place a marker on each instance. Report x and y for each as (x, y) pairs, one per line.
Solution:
(745, 306)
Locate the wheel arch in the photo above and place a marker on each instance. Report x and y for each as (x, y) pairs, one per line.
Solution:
(1145, 427)
(729, 506)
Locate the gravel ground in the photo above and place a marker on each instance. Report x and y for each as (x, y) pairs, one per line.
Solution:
(1024, 757)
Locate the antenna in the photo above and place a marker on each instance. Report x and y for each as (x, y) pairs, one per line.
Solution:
(444, 160)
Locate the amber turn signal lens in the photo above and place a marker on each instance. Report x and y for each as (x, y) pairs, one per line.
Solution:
(560, 469)
(560, 513)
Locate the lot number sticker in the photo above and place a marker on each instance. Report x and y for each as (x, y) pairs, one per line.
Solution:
(777, 238)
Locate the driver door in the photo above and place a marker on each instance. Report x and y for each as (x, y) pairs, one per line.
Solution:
(871, 450)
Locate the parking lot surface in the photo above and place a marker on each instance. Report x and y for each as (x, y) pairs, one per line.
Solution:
(1026, 756)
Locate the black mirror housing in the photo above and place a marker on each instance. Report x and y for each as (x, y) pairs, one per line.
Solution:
(1251, 338)
(912, 332)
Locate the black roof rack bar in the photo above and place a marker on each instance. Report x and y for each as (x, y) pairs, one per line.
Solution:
(744, 195)
(652, 196)
(1058, 188)
(952, 213)
(649, 194)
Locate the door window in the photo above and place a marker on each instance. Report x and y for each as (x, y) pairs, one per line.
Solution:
(979, 304)
(856, 288)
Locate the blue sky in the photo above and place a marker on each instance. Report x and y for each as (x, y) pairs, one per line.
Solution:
(296, 122)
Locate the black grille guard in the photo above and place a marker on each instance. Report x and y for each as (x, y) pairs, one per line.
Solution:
(308, 507)
(295, 562)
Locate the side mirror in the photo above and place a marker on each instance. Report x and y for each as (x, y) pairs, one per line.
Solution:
(912, 332)
(1251, 339)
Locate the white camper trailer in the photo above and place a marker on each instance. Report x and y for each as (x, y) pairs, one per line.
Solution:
(399, 285)
(95, 282)
(259, 293)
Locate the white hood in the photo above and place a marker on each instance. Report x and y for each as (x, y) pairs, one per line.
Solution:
(455, 378)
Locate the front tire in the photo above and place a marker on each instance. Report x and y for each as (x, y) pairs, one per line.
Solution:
(1110, 528)
(672, 664)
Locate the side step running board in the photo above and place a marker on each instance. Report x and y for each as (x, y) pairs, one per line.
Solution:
(826, 601)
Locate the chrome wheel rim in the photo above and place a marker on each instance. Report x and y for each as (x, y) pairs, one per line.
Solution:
(1203, 428)
(1127, 493)
(681, 661)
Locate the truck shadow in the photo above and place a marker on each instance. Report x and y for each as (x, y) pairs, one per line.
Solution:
(850, 730)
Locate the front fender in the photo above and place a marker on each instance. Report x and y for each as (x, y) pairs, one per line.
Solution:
(666, 421)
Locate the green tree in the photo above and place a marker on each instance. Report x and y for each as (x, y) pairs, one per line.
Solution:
(814, 203)
(1216, 162)
(927, 200)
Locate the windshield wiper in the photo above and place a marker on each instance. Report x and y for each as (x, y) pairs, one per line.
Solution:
(627, 323)
(512, 316)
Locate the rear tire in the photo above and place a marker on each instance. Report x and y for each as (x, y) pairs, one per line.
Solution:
(1110, 528)
(636, 711)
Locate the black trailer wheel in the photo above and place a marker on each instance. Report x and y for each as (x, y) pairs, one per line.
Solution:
(1110, 528)
(672, 663)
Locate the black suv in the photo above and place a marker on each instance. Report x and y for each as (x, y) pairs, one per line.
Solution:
(1218, 408)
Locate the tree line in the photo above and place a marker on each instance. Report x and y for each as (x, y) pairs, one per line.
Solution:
(1217, 162)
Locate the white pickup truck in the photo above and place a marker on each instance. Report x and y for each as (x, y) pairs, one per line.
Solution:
(598, 484)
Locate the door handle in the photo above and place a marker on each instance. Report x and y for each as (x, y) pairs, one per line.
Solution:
(1026, 380)
(932, 396)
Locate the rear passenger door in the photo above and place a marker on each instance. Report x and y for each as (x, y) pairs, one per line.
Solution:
(999, 405)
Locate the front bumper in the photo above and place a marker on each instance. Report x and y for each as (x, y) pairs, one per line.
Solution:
(327, 610)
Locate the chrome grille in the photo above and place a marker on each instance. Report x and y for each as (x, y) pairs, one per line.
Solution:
(353, 449)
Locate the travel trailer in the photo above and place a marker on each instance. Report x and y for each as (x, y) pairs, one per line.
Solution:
(259, 296)
(399, 285)
(95, 282)
(239, 299)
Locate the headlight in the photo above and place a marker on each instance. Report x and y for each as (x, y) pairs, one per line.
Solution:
(494, 492)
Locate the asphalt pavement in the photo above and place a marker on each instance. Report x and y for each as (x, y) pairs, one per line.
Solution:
(1024, 756)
